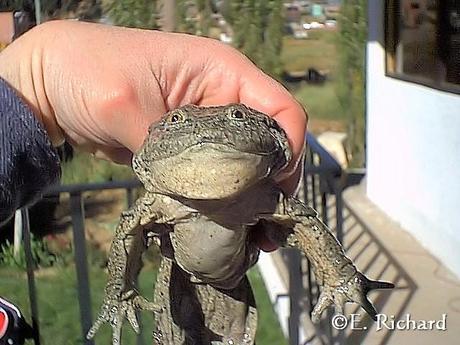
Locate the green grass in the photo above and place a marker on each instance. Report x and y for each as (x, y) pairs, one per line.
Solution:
(84, 168)
(318, 51)
(320, 101)
(59, 311)
(58, 304)
(268, 331)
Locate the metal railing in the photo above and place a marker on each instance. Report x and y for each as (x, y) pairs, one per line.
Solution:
(323, 179)
(322, 188)
(76, 200)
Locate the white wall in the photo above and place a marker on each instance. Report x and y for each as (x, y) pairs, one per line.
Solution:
(413, 152)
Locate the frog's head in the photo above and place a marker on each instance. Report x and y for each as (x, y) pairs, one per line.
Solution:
(211, 153)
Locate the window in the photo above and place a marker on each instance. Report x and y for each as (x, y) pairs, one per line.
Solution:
(423, 42)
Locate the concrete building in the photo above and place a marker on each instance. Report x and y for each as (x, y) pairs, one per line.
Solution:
(413, 120)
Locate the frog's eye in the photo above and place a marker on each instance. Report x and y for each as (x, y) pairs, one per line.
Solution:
(236, 113)
(176, 117)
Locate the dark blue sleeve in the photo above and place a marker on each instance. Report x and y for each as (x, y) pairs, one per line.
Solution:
(28, 161)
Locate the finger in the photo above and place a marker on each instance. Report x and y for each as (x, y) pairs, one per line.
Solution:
(263, 93)
(290, 183)
(115, 154)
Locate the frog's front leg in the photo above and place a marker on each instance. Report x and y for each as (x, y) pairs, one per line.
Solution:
(132, 238)
(295, 224)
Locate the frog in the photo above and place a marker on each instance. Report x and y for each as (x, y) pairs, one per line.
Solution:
(210, 179)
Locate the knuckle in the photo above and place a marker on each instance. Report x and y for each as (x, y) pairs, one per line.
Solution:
(117, 97)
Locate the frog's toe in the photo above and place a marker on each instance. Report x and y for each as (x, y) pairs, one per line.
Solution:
(144, 304)
(368, 307)
(360, 287)
(132, 318)
(324, 301)
(95, 327)
(116, 324)
(103, 317)
(115, 310)
(133, 302)
(338, 307)
(354, 291)
(376, 284)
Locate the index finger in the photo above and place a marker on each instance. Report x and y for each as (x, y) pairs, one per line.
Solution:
(263, 93)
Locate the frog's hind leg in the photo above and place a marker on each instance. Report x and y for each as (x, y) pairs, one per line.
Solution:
(193, 313)
(230, 313)
(294, 224)
(179, 319)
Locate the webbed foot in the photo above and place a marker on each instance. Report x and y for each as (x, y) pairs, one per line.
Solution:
(115, 310)
(297, 225)
(354, 290)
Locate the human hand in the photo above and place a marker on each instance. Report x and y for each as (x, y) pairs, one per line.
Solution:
(100, 87)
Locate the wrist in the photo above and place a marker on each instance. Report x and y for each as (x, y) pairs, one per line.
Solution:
(21, 66)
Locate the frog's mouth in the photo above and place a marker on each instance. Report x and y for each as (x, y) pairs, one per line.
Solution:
(210, 171)
(261, 141)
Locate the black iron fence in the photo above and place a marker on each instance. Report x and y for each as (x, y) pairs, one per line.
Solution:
(321, 186)
(79, 244)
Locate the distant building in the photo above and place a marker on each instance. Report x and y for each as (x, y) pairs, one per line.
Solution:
(317, 10)
(293, 13)
(413, 119)
(332, 11)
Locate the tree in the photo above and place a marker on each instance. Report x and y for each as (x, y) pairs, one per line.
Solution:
(194, 16)
(15, 5)
(204, 9)
(183, 17)
(133, 13)
(258, 31)
(257, 26)
(230, 10)
(351, 85)
(273, 40)
(56, 9)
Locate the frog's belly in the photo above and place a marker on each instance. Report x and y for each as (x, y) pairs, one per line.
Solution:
(212, 253)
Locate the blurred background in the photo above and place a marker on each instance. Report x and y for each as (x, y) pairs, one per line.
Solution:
(381, 83)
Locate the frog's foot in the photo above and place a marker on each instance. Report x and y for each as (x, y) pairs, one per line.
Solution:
(354, 290)
(114, 310)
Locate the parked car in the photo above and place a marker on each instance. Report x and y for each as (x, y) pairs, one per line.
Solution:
(316, 25)
(300, 34)
(330, 23)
